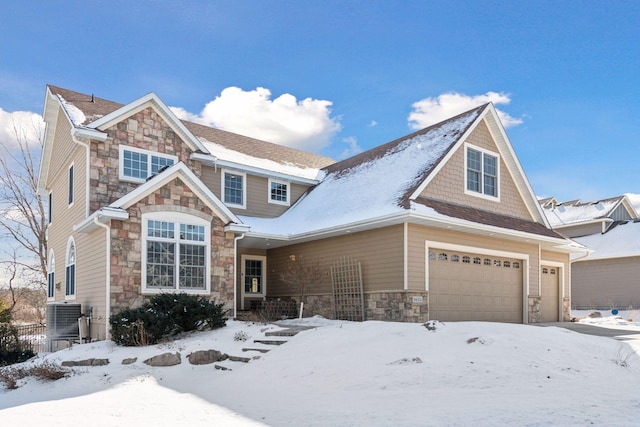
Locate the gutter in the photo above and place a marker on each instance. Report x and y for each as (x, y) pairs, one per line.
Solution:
(235, 274)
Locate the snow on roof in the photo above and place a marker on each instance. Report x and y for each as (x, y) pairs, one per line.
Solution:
(372, 187)
(566, 214)
(227, 154)
(621, 241)
(635, 200)
(76, 115)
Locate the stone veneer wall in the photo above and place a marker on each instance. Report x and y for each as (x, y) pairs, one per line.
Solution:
(535, 311)
(145, 130)
(126, 250)
(397, 306)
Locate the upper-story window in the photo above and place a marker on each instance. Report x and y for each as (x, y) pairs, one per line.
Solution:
(482, 172)
(234, 189)
(137, 165)
(176, 253)
(71, 184)
(278, 192)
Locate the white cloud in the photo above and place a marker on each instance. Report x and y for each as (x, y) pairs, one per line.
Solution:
(429, 111)
(373, 123)
(20, 124)
(352, 147)
(306, 124)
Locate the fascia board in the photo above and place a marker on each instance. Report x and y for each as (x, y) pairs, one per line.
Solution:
(89, 134)
(252, 170)
(151, 99)
(50, 115)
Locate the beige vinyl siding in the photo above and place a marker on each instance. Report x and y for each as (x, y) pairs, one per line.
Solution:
(90, 278)
(605, 284)
(257, 194)
(418, 235)
(449, 183)
(64, 147)
(65, 217)
(581, 230)
(379, 251)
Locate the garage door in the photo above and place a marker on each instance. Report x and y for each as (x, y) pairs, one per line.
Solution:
(465, 286)
(549, 310)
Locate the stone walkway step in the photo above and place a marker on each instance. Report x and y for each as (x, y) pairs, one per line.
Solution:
(239, 359)
(222, 368)
(283, 333)
(261, 350)
(269, 342)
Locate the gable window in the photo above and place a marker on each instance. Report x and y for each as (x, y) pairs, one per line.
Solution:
(175, 253)
(71, 184)
(481, 172)
(234, 189)
(70, 271)
(51, 276)
(137, 165)
(278, 192)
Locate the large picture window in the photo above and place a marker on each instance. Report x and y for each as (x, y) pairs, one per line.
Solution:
(176, 253)
(137, 165)
(482, 172)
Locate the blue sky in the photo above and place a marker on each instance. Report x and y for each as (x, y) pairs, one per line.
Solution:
(569, 71)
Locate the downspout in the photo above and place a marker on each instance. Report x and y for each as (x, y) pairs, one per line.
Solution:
(108, 274)
(235, 274)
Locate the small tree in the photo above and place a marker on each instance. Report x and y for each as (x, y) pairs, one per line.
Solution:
(301, 274)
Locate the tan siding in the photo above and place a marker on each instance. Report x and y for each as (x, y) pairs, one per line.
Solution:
(90, 278)
(64, 216)
(606, 284)
(379, 251)
(257, 194)
(417, 257)
(448, 185)
(63, 148)
(581, 230)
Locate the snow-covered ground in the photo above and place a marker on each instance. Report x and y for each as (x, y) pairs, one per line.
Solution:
(350, 374)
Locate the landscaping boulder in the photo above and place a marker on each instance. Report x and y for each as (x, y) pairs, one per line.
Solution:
(205, 357)
(165, 359)
(129, 360)
(86, 362)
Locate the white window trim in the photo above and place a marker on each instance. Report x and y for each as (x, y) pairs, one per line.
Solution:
(71, 184)
(176, 217)
(244, 189)
(481, 194)
(71, 297)
(278, 202)
(51, 269)
(123, 148)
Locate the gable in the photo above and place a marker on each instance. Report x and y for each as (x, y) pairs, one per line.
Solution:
(449, 184)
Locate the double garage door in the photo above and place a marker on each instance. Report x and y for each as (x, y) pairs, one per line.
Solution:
(467, 286)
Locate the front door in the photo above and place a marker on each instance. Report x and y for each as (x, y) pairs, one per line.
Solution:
(253, 279)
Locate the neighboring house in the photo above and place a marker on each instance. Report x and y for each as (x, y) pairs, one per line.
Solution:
(608, 276)
(442, 223)
(575, 218)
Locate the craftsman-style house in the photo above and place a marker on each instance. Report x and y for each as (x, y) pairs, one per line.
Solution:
(440, 224)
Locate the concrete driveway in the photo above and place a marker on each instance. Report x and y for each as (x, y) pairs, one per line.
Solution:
(619, 334)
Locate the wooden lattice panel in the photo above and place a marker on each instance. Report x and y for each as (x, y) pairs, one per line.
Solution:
(346, 276)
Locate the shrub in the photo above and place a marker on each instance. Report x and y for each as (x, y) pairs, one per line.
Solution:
(46, 371)
(163, 316)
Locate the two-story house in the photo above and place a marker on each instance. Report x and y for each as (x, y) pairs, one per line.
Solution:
(442, 223)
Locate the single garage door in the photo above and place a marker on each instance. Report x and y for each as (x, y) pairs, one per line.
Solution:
(465, 286)
(549, 308)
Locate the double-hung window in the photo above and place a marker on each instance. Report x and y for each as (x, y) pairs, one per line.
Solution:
(176, 253)
(137, 165)
(482, 172)
(278, 192)
(234, 191)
